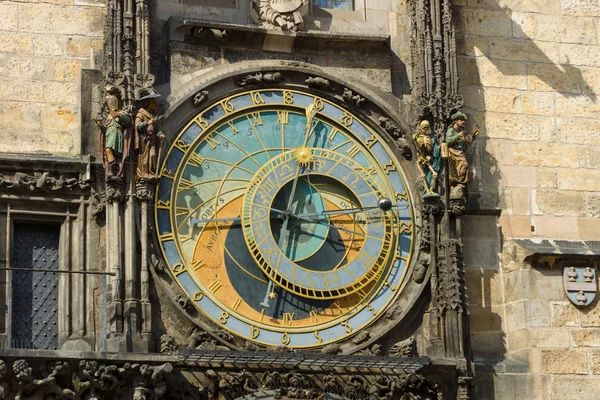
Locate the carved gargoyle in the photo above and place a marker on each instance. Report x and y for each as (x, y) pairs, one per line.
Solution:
(352, 98)
(405, 348)
(260, 78)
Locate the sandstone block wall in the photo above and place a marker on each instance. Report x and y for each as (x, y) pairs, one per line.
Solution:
(531, 79)
(43, 47)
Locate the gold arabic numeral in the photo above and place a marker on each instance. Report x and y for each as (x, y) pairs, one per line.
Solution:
(163, 205)
(256, 98)
(181, 145)
(390, 167)
(353, 151)
(288, 318)
(314, 315)
(255, 119)
(224, 317)
(203, 124)
(318, 104)
(346, 119)
(285, 339)
(401, 196)
(406, 228)
(198, 296)
(166, 237)
(283, 117)
(370, 171)
(227, 106)
(288, 97)
(371, 141)
(346, 326)
(212, 142)
(215, 285)
(254, 331)
(196, 265)
(184, 184)
(178, 269)
(234, 130)
(388, 284)
(236, 304)
(319, 339)
(196, 160)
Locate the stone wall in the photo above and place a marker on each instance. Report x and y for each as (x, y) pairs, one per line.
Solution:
(43, 47)
(530, 75)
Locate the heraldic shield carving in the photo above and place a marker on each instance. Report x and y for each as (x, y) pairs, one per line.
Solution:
(581, 284)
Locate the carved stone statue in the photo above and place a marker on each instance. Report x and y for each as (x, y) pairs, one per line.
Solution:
(456, 153)
(148, 139)
(283, 14)
(429, 158)
(115, 138)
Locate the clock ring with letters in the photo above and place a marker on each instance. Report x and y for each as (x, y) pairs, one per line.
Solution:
(285, 217)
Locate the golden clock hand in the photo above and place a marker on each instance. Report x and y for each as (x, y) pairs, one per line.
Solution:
(321, 222)
(196, 221)
(383, 204)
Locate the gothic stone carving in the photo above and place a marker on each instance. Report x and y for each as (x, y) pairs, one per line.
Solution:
(405, 348)
(286, 15)
(352, 98)
(260, 78)
(41, 181)
(398, 136)
(199, 98)
(318, 83)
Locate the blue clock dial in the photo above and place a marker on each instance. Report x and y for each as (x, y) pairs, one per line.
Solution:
(267, 217)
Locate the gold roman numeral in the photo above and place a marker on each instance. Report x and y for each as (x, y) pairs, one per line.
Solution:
(314, 315)
(212, 142)
(166, 237)
(195, 160)
(353, 151)
(196, 265)
(255, 119)
(184, 184)
(288, 318)
(332, 134)
(237, 304)
(370, 171)
(215, 285)
(234, 130)
(283, 117)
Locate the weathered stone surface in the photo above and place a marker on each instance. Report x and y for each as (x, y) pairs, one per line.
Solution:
(538, 103)
(551, 78)
(471, 45)
(551, 227)
(539, 338)
(588, 228)
(486, 318)
(527, 313)
(576, 54)
(510, 175)
(564, 314)
(579, 106)
(493, 99)
(66, 70)
(545, 155)
(20, 116)
(561, 203)
(578, 131)
(593, 205)
(547, 178)
(581, 7)
(510, 126)
(49, 45)
(26, 67)
(484, 287)
(514, 227)
(495, 151)
(580, 179)
(16, 43)
(482, 22)
(82, 47)
(489, 344)
(60, 118)
(564, 362)
(561, 28)
(529, 51)
(590, 316)
(586, 337)
(574, 388)
(9, 16)
(594, 357)
(588, 157)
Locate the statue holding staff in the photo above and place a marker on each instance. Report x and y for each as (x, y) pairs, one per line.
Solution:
(115, 138)
(455, 151)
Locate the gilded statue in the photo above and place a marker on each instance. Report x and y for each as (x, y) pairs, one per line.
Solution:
(455, 152)
(429, 158)
(148, 138)
(114, 138)
(284, 14)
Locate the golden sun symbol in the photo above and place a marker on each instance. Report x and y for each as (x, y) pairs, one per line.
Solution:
(304, 156)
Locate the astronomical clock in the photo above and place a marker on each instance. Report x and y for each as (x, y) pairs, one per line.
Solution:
(285, 217)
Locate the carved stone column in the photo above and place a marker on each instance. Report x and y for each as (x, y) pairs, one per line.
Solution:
(145, 195)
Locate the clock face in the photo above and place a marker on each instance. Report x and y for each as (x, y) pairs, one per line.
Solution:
(267, 214)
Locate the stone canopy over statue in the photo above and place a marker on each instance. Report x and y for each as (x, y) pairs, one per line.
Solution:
(283, 14)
